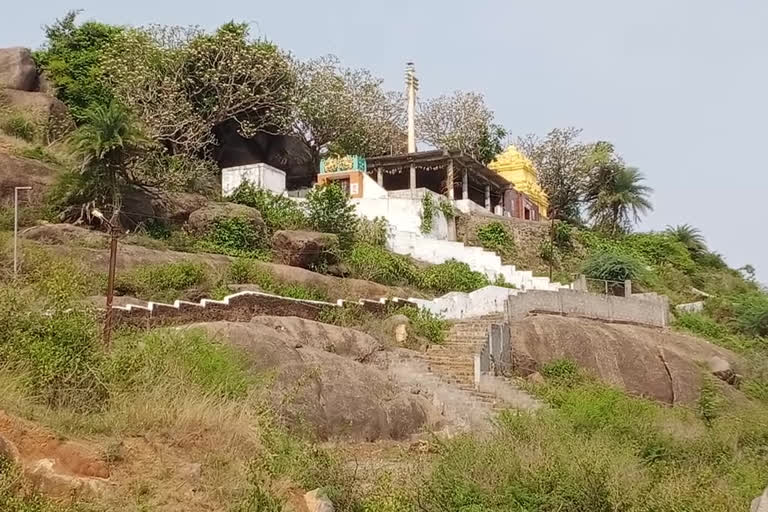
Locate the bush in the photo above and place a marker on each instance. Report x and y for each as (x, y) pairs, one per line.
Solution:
(452, 276)
(495, 237)
(245, 271)
(424, 324)
(373, 263)
(235, 237)
(372, 232)
(58, 352)
(19, 126)
(701, 325)
(563, 236)
(611, 266)
(161, 281)
(279, 212)
(38, 153)
(427, 213)
(330, 211)
(187, 358)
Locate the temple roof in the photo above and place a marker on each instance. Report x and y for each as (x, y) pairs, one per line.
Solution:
(511, 159)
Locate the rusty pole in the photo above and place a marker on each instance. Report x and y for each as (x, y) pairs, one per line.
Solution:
(110, 285)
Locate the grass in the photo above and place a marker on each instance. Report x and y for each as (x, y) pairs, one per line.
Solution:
(248, 271)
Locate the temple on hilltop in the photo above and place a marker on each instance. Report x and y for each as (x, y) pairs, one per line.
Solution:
(518, 169)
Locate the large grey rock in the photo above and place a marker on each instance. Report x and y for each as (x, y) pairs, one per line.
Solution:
(47, 110)
(655, 363)
(17, 69)
(317, 501)
(22, 172)
(172, 208)
(202, 220)
(760, 504)
(304, 249)
(332, 395)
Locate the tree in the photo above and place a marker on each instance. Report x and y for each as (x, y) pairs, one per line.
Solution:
(461, 122)
(72, 59)
(185, 84)
(614, 193)
(107, 144)
(330, 211)
(345, 111)
(559, 160)
(689, 236)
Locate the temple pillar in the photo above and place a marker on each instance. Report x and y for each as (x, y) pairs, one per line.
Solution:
(449, 179)
(464, 185)
(487, 197)
(413, 177)
(380, 177)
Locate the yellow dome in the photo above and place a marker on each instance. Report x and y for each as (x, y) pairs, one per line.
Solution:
(518, 169)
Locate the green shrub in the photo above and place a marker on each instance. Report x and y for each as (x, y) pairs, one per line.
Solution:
(279, 212)
(708, 403)
(177, 358)
(374, 263)
(39, 153)
(452, 276)
(330, 211)
(425, 324)
(495, 237)
(561, 372)
(563, 236)
(58, 352)
(372, 232)
(447, 208)
(161, 281)
(235, 237)
(611, 266)
(427, 213)
(548, 252)
(19, 126)
(701, 325)
(245, 271)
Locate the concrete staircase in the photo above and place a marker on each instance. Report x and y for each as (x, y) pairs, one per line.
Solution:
(453, 362)
(478, 259)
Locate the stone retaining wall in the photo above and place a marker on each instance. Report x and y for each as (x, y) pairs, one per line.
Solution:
(238, 307)
(646, 310)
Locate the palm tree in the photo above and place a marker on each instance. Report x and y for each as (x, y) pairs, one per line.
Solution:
(616, 197)
(689, 236)
(106, 143)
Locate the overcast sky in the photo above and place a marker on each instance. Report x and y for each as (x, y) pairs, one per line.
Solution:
(679, 86)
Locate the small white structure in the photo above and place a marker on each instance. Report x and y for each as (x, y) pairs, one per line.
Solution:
(259, 175)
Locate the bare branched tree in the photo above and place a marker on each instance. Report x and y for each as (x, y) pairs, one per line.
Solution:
(560, 161)
(462, 122)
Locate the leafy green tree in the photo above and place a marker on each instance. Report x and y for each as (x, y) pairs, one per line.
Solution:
(689, 236)
(330, 211)
(615, 194)
(72, 59)
(107, 144)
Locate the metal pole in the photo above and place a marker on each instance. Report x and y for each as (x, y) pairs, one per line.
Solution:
(16, 229)
(110, 285)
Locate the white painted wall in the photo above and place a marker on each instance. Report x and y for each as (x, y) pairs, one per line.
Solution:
(458, 305)
(259, 175)
(371, 189)
(403, 213)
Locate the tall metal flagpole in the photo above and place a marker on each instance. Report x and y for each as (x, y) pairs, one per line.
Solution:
(16, 229)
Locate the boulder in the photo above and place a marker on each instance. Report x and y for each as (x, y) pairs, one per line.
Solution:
(170, 208)
(397, 326)
(317, 501)
(332, 395)
(66, 234)
(17, 69)
(760, 504)
(304, 249)
(721, 369)
(655, 363)
(45, 108)
(21, 172)
(202, 220)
